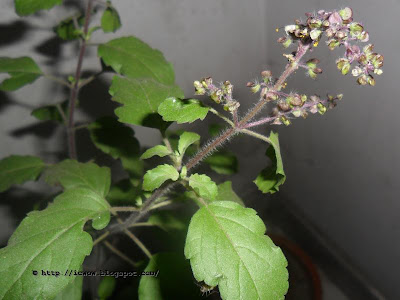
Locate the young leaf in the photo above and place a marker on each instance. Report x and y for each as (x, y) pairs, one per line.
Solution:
(110, 21)
(50, 112)
(66, 28)
(17, 169)
(53, 240)
(187, 139)
(71, 174)
(106, 287)
(227, 247)
(133, 58)
(140, 99)
(204, 186)
(114, 138)
(182, 110)
(173, 280)
(73, 291)
(23, 70)
(223, 162)
(159, 150)
(269, 180)
(156, 177)
(28, 7)
(226, 193)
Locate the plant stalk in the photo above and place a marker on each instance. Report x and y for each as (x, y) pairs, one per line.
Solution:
(218, 141)
(75, 87)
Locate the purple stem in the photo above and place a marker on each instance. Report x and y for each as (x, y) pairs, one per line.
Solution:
(75, 88)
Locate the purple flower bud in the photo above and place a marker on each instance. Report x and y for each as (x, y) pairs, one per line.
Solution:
(335, 18)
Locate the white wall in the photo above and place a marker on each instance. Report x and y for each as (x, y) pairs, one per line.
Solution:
(343, 168)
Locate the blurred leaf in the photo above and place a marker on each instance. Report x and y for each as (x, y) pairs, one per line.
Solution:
(156, 177)
(123, 193)
(186, 139)
(159, 150)
(106, 287)
(71, 174)
(182, 111)
(16, 169)
(204, 186)
(227, 247)
(223, 162)
(51, 240)
(51, 112)
(110, 21)
(226, 193)
(114, 138)
(167, 221)
(28, 7)
(270, 178)
(174, 280)
(23, 70)
(66, 28)
(215, 129)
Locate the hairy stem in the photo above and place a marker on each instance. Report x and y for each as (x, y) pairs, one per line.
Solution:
(215, 143)
(75, 87)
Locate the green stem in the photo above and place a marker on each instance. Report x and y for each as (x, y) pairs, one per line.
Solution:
(256, 135)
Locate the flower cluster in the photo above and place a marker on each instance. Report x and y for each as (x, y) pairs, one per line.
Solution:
(221, 94)
(296, 105)
(341, 30)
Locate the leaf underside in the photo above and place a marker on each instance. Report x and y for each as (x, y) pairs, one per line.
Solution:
(227, 247)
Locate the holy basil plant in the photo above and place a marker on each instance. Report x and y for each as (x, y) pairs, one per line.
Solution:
(208, 240)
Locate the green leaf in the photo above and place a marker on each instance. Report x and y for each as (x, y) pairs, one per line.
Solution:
(187, 139)
(204, 186)
(156, 177)
(51, 112)
(110, 21)
(133, 58)
(66, 28)
(52, 239)
(73, 291)
(269, 180)
(114, 138)
(182, 111)
(227, 247)
(106, 287)
(140, 99)
(17, 169)
(173, 281)
(71, 174)
(123, 193)
(167, 221)
(223, 162)
(23, 70)
(28, 7)
(226, 193)
(159, 150)
(134, 166)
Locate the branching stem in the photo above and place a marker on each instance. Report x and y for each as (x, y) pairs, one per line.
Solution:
(210, 147)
